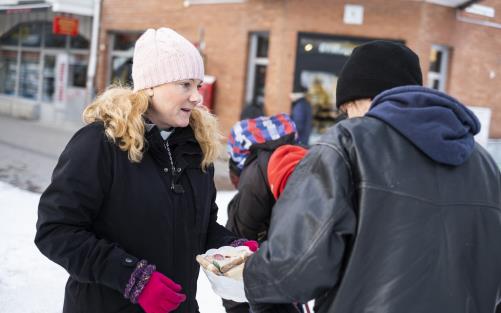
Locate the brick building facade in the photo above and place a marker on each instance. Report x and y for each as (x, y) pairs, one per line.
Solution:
(258, 49)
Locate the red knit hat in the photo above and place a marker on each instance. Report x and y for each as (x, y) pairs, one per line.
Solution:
(282, 163)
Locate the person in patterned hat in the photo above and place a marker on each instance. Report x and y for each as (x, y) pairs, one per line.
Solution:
(250, 146)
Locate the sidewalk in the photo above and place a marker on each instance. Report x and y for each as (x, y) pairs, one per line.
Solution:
(29, 151)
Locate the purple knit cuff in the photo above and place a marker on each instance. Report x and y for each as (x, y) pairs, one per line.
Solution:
(138, 279)
(238, 242)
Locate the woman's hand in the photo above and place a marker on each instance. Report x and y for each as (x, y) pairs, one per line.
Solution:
(251, 244)
(160, 295)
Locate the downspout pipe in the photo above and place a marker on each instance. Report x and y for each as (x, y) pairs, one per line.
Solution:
(91, 69)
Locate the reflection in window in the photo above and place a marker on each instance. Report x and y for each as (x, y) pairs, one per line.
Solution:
(121, 71)
(262, 46)
(10, 38)
(79, 42)
(48, 78)
(435, 60)
(437, 71)
(28, 75)
(26, 41)
(78, 71)
(53, 40)
(8, 65)
(260, 79)
(124, 41)
(31, 34)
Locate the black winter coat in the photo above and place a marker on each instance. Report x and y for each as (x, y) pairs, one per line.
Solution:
(371, 224)
(101, 214)
(249, 211)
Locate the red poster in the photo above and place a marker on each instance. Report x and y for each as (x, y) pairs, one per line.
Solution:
(64, 25)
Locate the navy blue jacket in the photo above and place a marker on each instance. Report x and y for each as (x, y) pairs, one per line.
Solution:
(303, 118)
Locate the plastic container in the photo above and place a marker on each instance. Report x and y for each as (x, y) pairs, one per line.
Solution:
(226, 287)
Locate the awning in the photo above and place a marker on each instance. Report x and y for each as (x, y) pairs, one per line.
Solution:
(460, 4)
(78, 7)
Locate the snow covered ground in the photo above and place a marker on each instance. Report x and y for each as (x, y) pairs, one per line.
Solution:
(29, 282)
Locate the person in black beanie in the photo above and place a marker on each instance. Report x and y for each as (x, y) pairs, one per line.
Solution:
(396, 210)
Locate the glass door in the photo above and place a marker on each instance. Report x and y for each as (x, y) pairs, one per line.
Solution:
(28, 75)
(48, 78)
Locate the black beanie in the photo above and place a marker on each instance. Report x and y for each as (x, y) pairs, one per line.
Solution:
(374, 67)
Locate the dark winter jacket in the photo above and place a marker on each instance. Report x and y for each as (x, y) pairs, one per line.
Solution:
(302, 116)
(249, 212)
(369, 222)
(102, 213)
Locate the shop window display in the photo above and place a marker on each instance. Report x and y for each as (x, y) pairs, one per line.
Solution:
(121, 73)
(10, 38)
(30, 34)
(48, 78)
(78, 71)
(319, 60)
(8, 72)
(28, 75)
(37, 48)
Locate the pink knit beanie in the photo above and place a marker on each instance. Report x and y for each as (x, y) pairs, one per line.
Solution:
(163, 56)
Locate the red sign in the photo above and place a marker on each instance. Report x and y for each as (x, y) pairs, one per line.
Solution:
(63, 25)
(207, 91)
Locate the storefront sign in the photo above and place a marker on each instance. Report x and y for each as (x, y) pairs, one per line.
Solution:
(17, 11)
(340, 48)
(62, 63)
(353, 14)
(63, 25)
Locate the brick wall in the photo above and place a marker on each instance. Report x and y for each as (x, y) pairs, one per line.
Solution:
(227, 28)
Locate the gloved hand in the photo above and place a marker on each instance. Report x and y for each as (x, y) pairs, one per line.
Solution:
(252, 244)
(160, 295)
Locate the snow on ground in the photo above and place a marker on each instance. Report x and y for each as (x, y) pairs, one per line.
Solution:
(29, 282)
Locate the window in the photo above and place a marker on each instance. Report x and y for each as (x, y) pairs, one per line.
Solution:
(49, 77)
(120, 71)
(53, 40)
(437, 72)
(31, 34)
(10, 38)
(78, 71)
(28, 75)
(28, 58)
(257, 66)
(8, 72)
(124, 42)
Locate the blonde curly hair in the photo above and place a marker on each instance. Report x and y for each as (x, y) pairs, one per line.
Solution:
(121, 110)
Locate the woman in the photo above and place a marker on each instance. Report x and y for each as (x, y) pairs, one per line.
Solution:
(132, 199)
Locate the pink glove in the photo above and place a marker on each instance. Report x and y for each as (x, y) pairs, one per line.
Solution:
(160, 295)
(252, 244)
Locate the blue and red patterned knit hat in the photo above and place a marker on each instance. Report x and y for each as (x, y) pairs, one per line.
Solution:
(261, 129)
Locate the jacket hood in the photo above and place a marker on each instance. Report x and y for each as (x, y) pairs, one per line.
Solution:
(439, 125)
